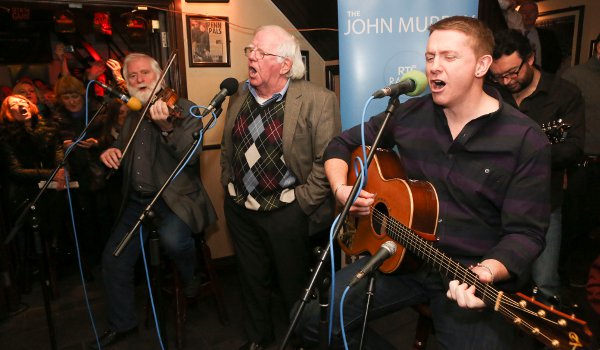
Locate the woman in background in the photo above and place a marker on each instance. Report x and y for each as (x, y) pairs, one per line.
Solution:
(89, 199)
(30, 150)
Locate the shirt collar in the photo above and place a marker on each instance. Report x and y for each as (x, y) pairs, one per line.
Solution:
(277, 97)
(545, 83)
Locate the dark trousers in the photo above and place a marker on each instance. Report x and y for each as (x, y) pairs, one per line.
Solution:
(581, 217)
(271, 249)
(455, 327)
(118, 271)
(93, 220)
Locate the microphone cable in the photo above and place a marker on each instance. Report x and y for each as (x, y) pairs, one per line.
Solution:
(359, 167)
(145, 262)
(156, 325)
(80, 264)
(74, 225)
(73, 221)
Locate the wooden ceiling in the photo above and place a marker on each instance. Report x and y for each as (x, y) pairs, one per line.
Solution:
(306, 15)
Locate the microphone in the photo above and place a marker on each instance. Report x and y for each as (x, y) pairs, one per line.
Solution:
(133, 103)
(412, 83)
(228, 87)
(387, 249)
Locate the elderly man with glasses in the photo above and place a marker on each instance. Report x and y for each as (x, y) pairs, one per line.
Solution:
(549, 100)
(277, 194)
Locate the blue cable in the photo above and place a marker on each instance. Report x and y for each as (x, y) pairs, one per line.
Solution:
(332, 287)
(359, 165)
(141, 232)
(150, 290)
(200, 115)
(73, 223)
(342, 328)
(200, 137)
(75, 235)
(362, 136)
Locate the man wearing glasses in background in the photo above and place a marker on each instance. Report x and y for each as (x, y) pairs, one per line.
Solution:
(545, 98)
(277, 194)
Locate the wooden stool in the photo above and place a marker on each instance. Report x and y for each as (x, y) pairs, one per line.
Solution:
(424, 326)
(210, 286)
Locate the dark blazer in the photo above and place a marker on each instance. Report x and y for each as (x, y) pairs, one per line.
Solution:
(311, 120)
(185, 196)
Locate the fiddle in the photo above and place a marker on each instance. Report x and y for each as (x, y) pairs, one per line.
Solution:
(170, 97)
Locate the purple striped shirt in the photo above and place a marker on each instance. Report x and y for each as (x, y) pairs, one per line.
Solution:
(492, 180)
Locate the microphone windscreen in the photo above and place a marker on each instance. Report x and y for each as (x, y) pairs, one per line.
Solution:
(229, 84)
(420, 81)
(134, 104)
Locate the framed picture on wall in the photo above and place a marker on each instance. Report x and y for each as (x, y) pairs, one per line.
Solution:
(567, 25)
(304, 54)
(208, 41)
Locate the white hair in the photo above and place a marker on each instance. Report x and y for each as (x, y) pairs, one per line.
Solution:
(135, 56)
(289, 48)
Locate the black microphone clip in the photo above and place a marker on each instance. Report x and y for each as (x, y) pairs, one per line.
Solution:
(228, 87)
(386, 250)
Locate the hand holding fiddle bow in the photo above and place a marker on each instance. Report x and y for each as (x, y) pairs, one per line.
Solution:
(159, 114)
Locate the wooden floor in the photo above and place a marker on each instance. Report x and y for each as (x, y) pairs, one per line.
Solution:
(28, 330)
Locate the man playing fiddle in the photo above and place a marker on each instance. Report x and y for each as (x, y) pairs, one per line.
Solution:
(182, 210)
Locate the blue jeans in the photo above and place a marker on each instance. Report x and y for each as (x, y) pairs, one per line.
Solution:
(455, 328)
(545, 267)
(118, 271)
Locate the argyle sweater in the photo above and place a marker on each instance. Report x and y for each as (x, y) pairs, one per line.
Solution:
(262, 180)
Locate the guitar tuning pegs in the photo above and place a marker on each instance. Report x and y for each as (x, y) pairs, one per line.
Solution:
(541, 313)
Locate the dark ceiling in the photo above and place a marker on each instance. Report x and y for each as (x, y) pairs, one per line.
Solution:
(311, 14)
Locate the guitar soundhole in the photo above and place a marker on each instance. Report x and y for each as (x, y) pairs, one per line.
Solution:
(379, 219)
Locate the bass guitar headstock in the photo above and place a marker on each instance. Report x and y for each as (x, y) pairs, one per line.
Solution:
(556, 130)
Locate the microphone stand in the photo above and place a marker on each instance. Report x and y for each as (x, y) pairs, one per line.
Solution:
(370, 293)
(119, 249)
(31, 205)
(40, 247)
(392, 104)
(148, 215)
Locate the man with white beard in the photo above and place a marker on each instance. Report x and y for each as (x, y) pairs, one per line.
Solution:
(182, 210)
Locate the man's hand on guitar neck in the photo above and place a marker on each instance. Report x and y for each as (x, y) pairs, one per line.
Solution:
(488, 271)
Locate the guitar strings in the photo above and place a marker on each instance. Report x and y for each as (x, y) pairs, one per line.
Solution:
(426, 251)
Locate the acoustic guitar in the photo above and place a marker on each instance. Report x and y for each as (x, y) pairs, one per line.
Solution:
(406, 211)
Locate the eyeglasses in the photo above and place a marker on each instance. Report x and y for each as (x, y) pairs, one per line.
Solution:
(259, 54)
(498, 78)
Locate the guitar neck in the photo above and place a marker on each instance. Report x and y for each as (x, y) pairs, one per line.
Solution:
(549, 326)
(440, 261)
